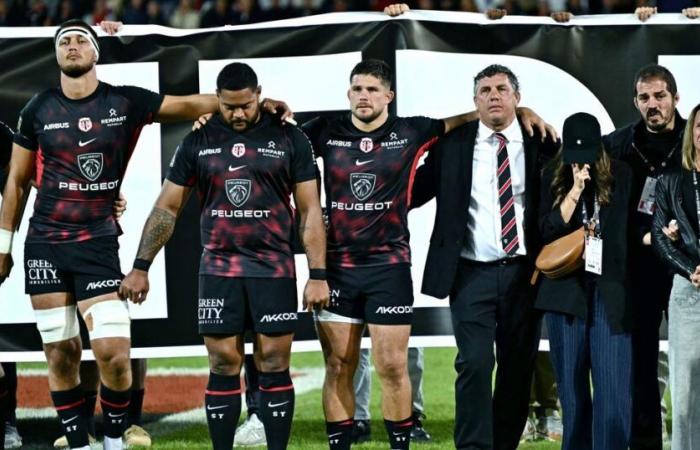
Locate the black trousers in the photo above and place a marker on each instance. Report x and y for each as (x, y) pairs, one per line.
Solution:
(493, 303)
(650, 299)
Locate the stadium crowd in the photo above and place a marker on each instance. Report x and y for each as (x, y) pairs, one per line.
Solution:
(214, 13)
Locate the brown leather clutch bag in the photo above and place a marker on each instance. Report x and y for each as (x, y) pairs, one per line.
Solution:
(561, 257)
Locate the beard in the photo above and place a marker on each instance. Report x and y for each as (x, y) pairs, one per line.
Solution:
(660, 125)
(76, 70)
(369, 118)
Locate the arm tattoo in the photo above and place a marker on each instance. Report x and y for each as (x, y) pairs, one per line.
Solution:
(157, 230)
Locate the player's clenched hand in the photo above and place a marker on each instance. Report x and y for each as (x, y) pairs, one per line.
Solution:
(203, 119)
(317, 295)
(110, 27)
(6, 264)
(135, 286)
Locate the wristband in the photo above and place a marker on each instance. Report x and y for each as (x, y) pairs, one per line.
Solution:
(317, 274)
(6, 241)
(142, 264)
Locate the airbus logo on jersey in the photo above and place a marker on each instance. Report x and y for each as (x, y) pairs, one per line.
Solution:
(41, 271)
(209, 151)
(362, 185)
(50, 126)
(103, 284)
(238, 150)
(366, 145)
(394, 310)
(281, 317)
(90, 165)
(337, 143)
(84, 124)
(209, 311)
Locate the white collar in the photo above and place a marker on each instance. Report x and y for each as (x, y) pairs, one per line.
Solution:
(512, 132)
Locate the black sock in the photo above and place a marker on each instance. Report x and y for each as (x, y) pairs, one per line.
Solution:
(339, 434)
(70, 406)
(90, 402)
(222, 403)
(399, 433)
(136, 406)
(115, 407)
(276, 407)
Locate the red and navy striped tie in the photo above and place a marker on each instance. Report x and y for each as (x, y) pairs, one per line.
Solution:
(509, 231)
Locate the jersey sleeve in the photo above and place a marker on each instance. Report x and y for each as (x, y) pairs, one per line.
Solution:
(145, 103)
(313, 129)
(182, 169)
(6, 136)
(427, 128)
(303, 159)
(26, 134)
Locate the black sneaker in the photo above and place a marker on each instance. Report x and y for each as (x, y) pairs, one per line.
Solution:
(418, 433)
(361, 431)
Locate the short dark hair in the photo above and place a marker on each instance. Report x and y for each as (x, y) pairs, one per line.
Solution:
(236, 77)
(75, 23)
(495, 69)
(375, 67)
(655, 72)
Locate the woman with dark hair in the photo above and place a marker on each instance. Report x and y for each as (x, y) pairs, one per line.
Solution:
(678, 203)
(587, 310)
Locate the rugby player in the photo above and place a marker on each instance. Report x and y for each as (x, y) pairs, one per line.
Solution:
(245, 165)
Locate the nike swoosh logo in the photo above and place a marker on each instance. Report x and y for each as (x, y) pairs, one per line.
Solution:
(275, 405)
(83, 144)
(362, 163)
(116, 415)
(212, 408)
(335, 434)
(233, 169)
(396, 434)
(69, 420)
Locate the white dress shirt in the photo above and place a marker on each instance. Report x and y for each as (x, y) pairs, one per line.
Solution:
(484, 221)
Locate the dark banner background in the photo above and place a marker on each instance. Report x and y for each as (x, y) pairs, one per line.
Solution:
(603, 58)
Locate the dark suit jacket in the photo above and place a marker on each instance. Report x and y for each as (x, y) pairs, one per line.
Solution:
(447, 176)
(569, 295)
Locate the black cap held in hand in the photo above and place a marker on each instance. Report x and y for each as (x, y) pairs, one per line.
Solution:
(581, 139)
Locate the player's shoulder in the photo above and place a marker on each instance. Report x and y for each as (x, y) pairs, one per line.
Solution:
(125, 90)
(41, 98)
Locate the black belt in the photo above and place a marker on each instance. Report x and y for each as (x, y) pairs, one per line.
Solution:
(498, 262)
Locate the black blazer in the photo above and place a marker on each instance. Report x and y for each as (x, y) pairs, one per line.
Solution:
(447, 176)
(569, 294)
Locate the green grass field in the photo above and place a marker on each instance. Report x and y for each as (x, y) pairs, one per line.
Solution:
(308, 429)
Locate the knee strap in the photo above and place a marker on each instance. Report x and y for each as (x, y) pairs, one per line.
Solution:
(109, 319)
(57, 324)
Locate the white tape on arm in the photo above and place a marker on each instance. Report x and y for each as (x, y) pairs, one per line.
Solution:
(6, 241)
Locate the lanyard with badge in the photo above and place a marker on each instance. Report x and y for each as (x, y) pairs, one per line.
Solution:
(594, 241)
(647, 201)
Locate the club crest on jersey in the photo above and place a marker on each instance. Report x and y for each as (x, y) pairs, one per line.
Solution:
(90, 165)
(366, 145)
(238, 191)
(238, 150)
(362, 185)
(84, 124)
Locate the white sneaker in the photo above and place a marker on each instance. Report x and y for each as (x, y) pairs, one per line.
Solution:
(530, 431)
(12, 437)
(252, 432)
(555, 428)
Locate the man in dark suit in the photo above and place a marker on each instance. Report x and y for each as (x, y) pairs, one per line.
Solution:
(485, 176)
